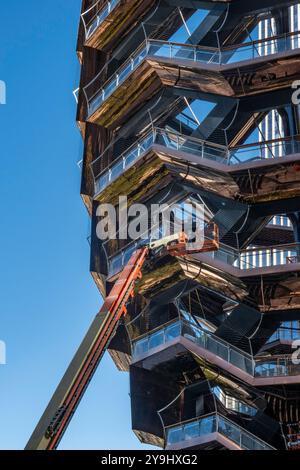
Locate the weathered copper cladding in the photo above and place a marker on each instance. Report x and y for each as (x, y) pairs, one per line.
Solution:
(120, 21)
(258, 181)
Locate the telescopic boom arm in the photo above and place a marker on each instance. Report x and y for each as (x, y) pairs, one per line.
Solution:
(73, 385)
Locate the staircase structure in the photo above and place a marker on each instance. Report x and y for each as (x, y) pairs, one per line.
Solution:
(179, 101)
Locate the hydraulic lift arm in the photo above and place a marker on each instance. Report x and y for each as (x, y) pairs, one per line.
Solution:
(70, 390)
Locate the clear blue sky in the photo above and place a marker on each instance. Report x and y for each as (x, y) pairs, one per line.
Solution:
(48, 297)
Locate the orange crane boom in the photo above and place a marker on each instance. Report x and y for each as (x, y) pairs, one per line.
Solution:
(70, 390)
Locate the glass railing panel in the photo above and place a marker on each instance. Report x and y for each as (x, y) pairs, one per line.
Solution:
(113, 4)
(159, 337)
(206, 56)
(233, 404)
(281, 221)
(240, 436)
(291, 334)
(102, 183)
(93, 25)
(107, 91)
(92, 28)
(188, 145)
(252, 259)
(131, 158)
(123, 163)
(123, 73)
(175, 435)
(141, 347)
(265, 150)
(208, 425)
(268, 257)
(192, 147)
(211, 343)
(287, 334)
(194, 334)
(229, 430)
(249, 52)
(127, 254)
(136, 60)
(264, 258)
(237, 55)
(172, 331)
(116, 264)
(96, 103)
(263, 48)
(147, 142)
(248, 443)
(161, 49)
(181, 52)
(219, 155)
(191, 431)
(225, 255)
(211, 424)
(279, 366)
(293, 369)
(271, 369)
(116, 170)
(247, 410)
(117, 79)
(168, 140)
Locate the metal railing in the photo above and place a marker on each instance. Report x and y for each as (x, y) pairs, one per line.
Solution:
(212, 423)
(137, 150)
(96, 14)
(284, 333)
(267, 366)
(232, 403)
(260, 257)
(196, 147)
(269, 256)
(105, 177)
(194, 53)
(267, 149)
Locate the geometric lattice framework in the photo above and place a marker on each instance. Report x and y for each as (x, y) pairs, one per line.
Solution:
(178, 103)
